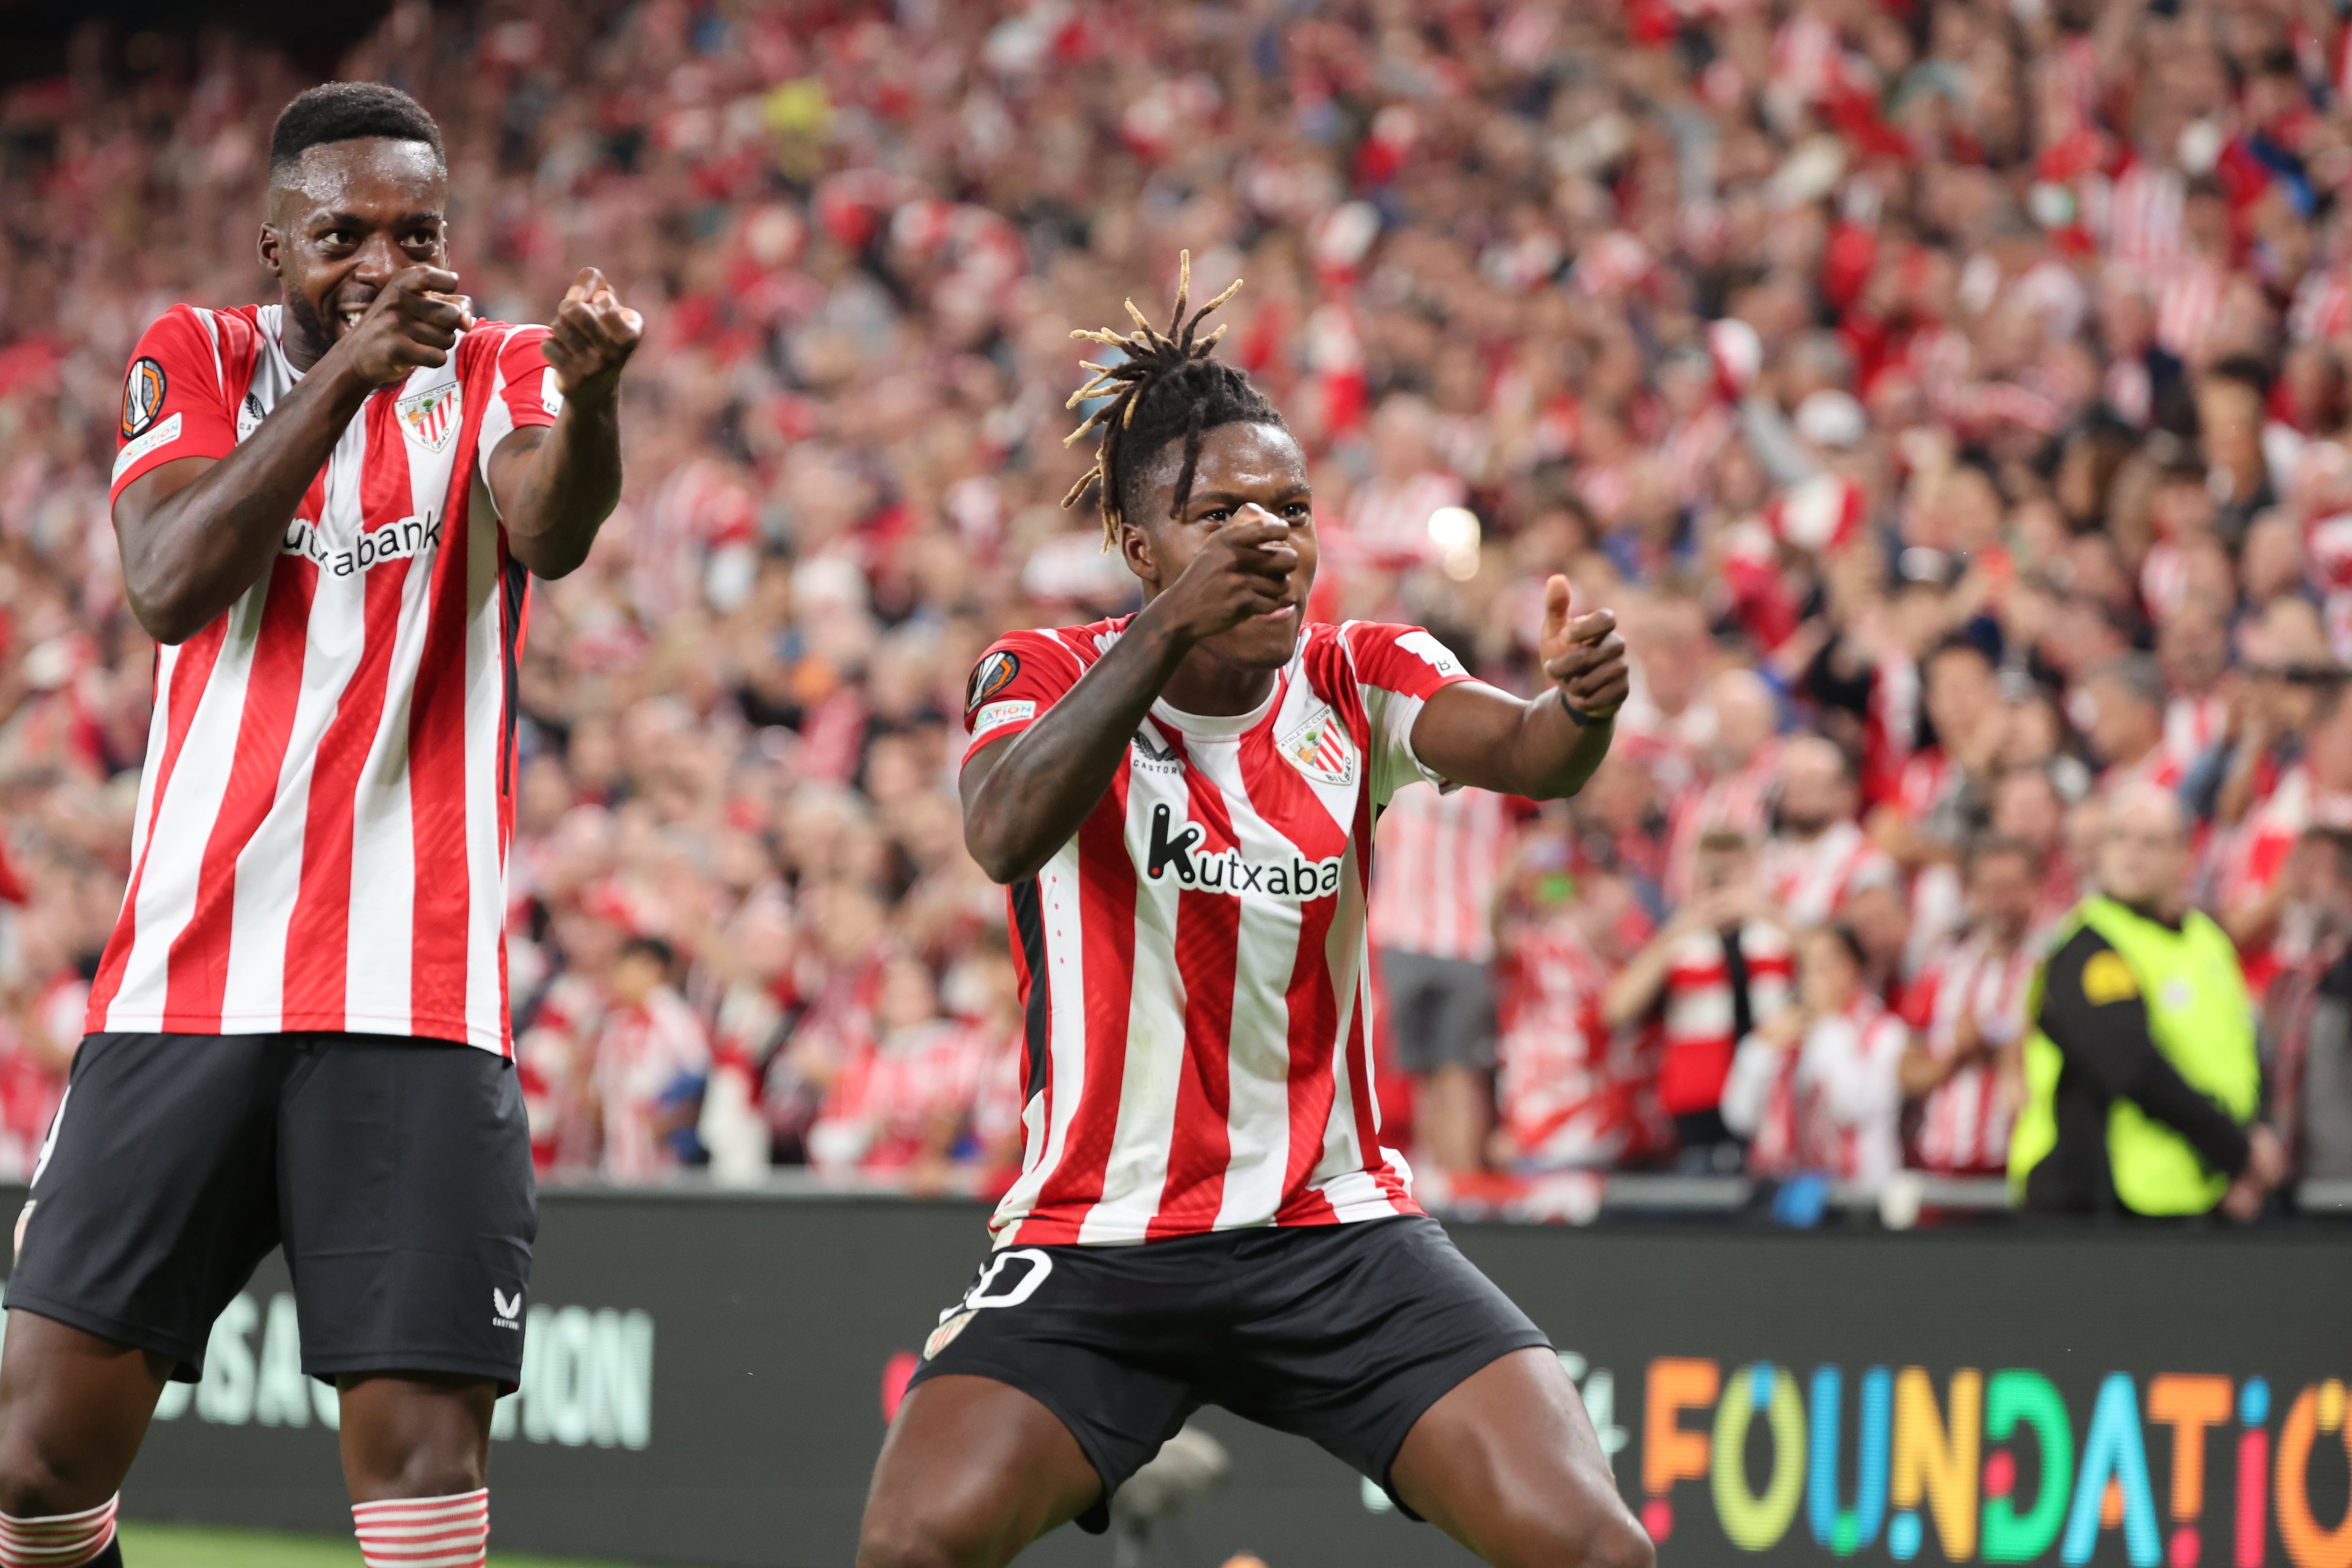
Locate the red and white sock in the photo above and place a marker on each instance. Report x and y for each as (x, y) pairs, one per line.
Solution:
(56, 1540)
(422, 1531)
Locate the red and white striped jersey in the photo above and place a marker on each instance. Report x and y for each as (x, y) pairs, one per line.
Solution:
(1964, 1126)
(1832, 1102)
(321, 832)
(1199, 1050)
(1441, 860)
(1811, 880)
(1699, 1011)
(1567, 1091)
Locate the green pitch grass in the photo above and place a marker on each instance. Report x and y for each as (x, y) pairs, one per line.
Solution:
(202, 1546)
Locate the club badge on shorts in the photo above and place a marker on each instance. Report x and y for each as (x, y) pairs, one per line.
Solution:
(1319, 748)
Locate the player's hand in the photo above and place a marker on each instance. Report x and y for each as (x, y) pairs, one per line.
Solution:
(413, 322)
(1242, 570)
(592, 338)
(1584, 656)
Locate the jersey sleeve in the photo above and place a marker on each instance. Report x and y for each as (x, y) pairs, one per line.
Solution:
(1398, 669)
(174, 404)
(1019, 676)
(523, 391)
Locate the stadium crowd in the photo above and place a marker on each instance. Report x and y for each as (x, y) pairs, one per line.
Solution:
(1949, 395)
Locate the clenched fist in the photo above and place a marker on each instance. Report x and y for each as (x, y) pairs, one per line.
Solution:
(414, 321)
(592, 338)
(1584, 657)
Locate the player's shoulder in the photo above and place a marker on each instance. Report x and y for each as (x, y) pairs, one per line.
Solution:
(488, 342)
(1388, 653)
(187, 336)
(1066, 650)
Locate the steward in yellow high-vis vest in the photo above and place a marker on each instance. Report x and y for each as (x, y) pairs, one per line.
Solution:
(2141, 1077)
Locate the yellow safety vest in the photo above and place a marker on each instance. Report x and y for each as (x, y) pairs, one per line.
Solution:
(2200, 1018)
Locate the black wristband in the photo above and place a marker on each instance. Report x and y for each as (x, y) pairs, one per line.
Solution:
(1575, 717)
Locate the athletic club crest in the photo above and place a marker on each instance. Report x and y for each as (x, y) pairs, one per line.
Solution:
(1321, 749)
(430, 418)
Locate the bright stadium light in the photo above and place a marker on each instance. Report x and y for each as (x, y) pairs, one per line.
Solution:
(1454, 531)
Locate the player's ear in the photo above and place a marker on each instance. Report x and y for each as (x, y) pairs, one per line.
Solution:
(1135, 549)
(271, 262)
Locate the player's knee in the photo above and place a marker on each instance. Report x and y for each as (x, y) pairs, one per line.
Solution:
(1610, 1540)
(1588, 1539)
(423, 1473)
(36, 1482)
(903, 1540)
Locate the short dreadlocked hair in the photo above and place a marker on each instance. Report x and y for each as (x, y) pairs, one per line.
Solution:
(1167, 387)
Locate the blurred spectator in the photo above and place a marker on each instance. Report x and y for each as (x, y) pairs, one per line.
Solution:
(652, 1056)
(1817, 856)
(1575, 1093)
(1440, 859)
(1970, 1008)
(2307, 1037)
(1719, 969)
(1813, 1088)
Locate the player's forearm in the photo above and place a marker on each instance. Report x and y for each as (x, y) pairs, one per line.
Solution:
(191, 549)
(1552, 754)
(1052, 775)
(570, 487)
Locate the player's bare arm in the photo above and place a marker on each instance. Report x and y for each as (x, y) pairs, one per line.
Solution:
(1229, 562)
(1543, 747)
(356, 235)
(555, 485)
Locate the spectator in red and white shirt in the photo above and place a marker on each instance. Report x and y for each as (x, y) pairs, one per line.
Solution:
(2123, 705)
(1569, 1086)
(903, 1097)
(1739, 759)
(2251, 895)
(2193, 650)
(1970, 1008)
(1814, 1088)
(1439, 866)
(652, 1056)
(1721, 968)
(2028, 809)
(1818, 855)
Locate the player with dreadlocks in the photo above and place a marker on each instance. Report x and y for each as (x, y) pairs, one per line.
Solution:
(1181, 802)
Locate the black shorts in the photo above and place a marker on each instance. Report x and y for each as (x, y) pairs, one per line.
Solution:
(1343, 1333)
(396, 1172)
(1441, 1011)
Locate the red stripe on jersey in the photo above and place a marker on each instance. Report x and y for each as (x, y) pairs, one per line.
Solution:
(191, 673)
(1278, 794)
(318, 935)
(197, 965)
(1106, 905)
(1208, 940)
(437, 791)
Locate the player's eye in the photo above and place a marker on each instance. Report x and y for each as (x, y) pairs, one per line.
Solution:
(1217, 514)
(1298, 510)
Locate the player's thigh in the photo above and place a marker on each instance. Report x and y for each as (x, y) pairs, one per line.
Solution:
(971, 1471)
(409, 1208)
(1507, 1463)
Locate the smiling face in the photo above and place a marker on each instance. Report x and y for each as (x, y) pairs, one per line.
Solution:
(1252, 471)
(343, 221)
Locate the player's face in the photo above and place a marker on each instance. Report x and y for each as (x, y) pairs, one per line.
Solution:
(348, 217)
(1253, 471)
